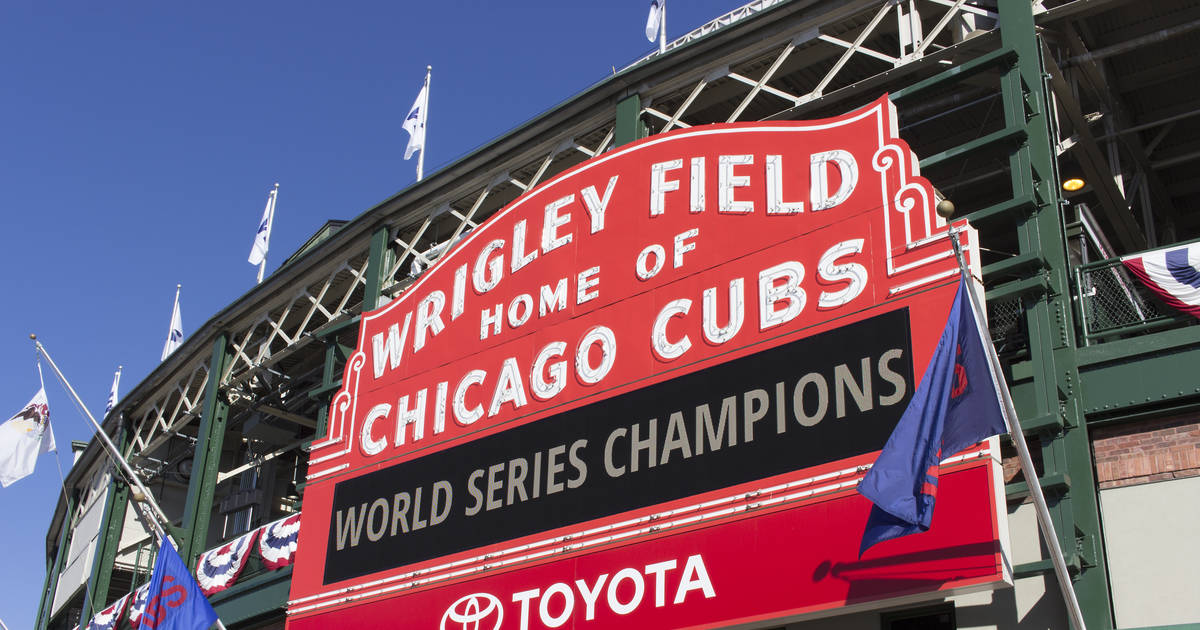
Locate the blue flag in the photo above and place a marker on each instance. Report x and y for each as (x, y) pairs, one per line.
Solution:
(174, 600)
(955, 406)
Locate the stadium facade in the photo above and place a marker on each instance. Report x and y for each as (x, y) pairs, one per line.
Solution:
(1002, 102)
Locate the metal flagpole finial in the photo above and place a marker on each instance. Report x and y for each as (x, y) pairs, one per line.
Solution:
(33, 336)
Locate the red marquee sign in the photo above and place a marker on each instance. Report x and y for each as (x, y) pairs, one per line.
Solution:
(644, 392)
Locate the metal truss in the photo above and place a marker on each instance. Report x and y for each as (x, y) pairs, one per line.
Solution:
(865, 43)
(278, 329)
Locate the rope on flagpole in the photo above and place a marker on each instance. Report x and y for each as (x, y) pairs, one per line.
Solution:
(945, 209)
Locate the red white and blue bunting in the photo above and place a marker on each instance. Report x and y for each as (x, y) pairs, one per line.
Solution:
(219, 568)
(108, 618)
(277, 544)
(138, 606)
(1171, 272)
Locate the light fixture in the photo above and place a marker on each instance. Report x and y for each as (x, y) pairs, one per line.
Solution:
(1073, 184)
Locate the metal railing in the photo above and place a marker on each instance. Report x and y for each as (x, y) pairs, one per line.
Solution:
(1113, 303)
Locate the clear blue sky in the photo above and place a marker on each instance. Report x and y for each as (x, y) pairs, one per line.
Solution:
(138, 141)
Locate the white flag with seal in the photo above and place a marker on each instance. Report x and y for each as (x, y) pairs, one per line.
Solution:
(23, 437)
(654, 20)
(414, 123)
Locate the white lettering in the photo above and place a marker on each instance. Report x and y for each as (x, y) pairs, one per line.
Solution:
(819, 187)
(664, 348)
(727, 182)
(370, 445)
(770, 293)
(597, 206)
(660, 185)
(550, 238)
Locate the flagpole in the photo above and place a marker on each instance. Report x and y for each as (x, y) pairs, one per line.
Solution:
(662, 30)
(113, 452)
(159, 524)
(424, 125)
(262, 266)
(946, 209)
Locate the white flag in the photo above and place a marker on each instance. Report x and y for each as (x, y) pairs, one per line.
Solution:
(262, 238)
(175, 334)
(112, 395)
(23, 437)
(654, 20)
(414, 123)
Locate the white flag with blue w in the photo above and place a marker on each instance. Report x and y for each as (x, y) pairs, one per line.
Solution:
(655, 19)
(262, 238)
(414, 123)
(112, 395)
(175, 332)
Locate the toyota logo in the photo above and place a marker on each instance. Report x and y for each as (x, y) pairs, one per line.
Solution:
(470, 611)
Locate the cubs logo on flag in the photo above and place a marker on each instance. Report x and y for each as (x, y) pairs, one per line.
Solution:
(108, 618)
(955, 406)
(1173, 273)
(219, 568)
(277, 542)
(173, 599)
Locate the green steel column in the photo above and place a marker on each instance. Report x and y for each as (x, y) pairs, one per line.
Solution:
(207, 460)
(51, 583)
(328, 378)
(109, 540)
(629, 126)
(1048, 316)
(377, 259)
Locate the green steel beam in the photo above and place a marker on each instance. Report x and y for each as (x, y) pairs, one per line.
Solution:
(377, 258)
(1030, 569)
(331, 377)
(51, 583)
(1050, 423)
(1002, 57)
(210, 439)
(1012, 134)
(254, 599)
(1032, 286)
(1055, 378)
(1023, 264)
(1010, 211)
(629, 126)
(1055, 482)
(1131, 373)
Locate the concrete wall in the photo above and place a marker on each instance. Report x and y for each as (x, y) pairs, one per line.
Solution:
(1152, 537)
(77, 566)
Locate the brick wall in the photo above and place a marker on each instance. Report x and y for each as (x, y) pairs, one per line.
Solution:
(1145, 451)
